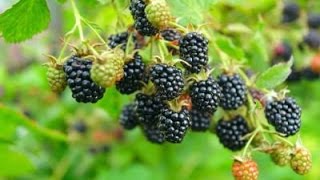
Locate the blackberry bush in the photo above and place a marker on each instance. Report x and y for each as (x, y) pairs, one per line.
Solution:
(194, 50)
(284, 115)
(231, 132)
(168, 81)
(79, 81)
(234, 91)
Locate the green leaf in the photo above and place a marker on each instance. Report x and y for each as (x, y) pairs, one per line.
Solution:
(14, 163)
(274, 76)
(258, 53)
(24, 19)
(227, 46)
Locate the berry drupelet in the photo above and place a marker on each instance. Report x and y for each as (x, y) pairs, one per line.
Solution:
(234, 91)
(230, 132)
(78, 78)
(205, 95)
(290, 12)
(174, 125)
(133, 76)
(168, 81)
(128, 117)
(141, 23)
(194, 50)
(284, 115)
(148, 108)
(200, 121)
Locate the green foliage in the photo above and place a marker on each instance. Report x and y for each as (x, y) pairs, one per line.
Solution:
(227, 46)
(274, 76)
(16, 163)
(24, 19)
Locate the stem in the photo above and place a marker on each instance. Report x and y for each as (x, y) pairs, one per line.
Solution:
(77, 17)
(94, 30)
(249, 142)
(63, 49)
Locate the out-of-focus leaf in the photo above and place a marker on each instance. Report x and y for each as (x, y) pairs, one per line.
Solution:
(227, 46)
(24, 19)
(9, 116)
(61, 1)
(258, 53)
(13, 163)
(274, 76)
(238, 28)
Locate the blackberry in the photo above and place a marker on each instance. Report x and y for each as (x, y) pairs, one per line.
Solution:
(200, 121)
(153, 134)
(314, 21)
(141, 23)
(133, 76)
(312, 39)
(230, 132)
(194, 50)
(168, 81)
(290, 12)
(205, 95)
(234, 91)
(148, 108)
(80, 126)
(79, 81)
(128, 117)
(120, 39)
(284, 115)
(294, 76)
(174, 125)
(283, 51)
(170, 34)
(308, 74)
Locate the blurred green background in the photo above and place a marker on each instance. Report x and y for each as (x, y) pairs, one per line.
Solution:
(37, 135)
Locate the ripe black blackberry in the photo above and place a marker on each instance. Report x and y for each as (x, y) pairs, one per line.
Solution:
(115, 40)
(168, 81)
(79, 81)
(312, 39)
(205, 95)
(153, 134)
(200, 121)
(230, 132)
(148, 108)
(194, 50)
(141, 23)
(174, 125)
(170, 34)
(290, 12)
(295, 75)
(128, 117)
(308, 74)
(283, 51)
(234, 91)
(284, 115)
(134, 74)
(314, 21)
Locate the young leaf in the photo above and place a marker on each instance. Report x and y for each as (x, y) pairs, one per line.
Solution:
(274, 76)
(24, 19)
